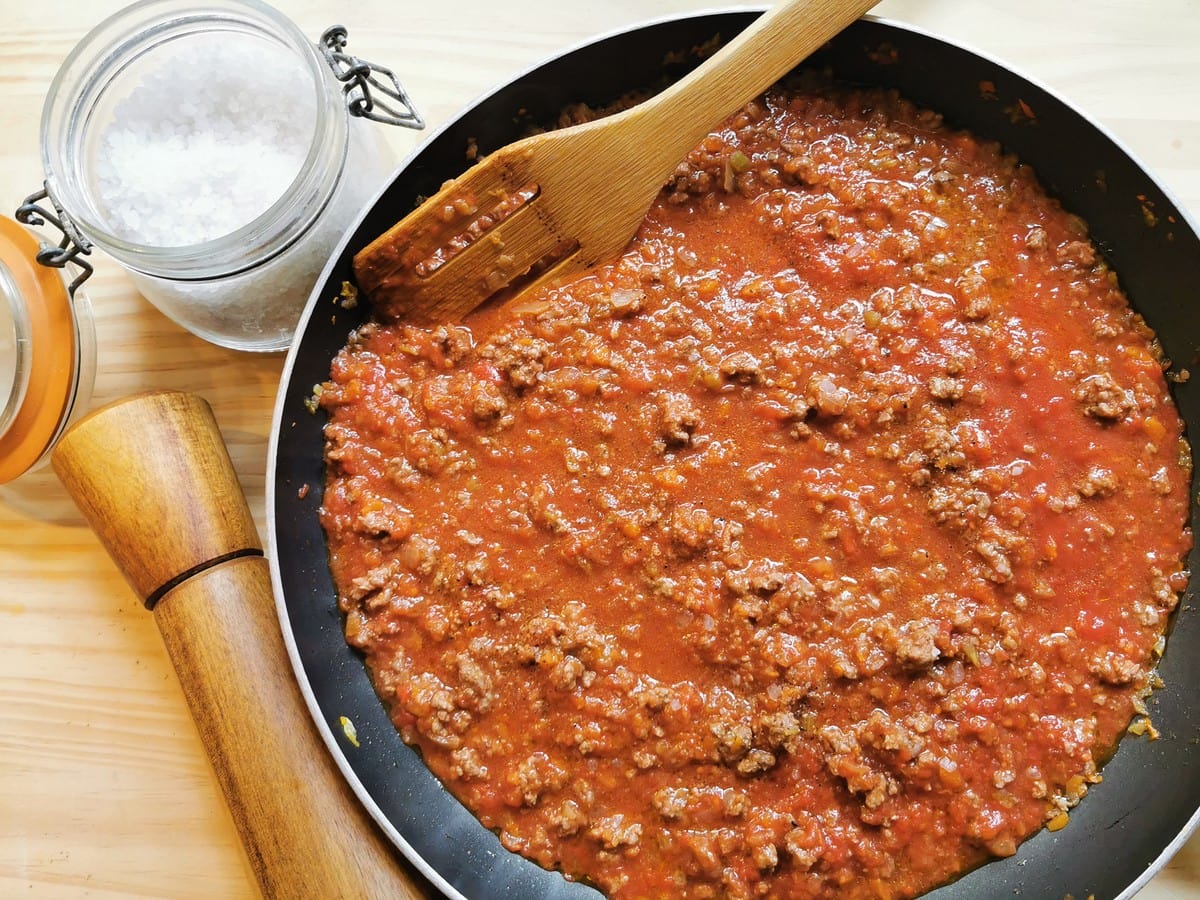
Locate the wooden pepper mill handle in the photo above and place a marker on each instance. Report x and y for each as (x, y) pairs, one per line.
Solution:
(154, 479)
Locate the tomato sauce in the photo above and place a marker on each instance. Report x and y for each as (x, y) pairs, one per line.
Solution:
(819, 545)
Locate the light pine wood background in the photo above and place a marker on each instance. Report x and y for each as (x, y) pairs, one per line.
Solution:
(104, 788)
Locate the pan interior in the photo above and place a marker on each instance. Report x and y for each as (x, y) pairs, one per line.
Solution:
(1147, 802)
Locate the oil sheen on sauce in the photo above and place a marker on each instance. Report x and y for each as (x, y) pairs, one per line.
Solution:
(820, 545)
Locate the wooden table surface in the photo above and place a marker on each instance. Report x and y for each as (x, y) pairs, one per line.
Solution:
(104, 787)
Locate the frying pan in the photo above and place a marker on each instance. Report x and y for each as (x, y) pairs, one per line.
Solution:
(1128, 826)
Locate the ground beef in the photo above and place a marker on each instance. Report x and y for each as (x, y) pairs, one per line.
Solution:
(742, 366)
(522, 359)
(817, 546)
(679, 418)
(946, 388)
(916, 644)
(1098, 482)
(1103, 398)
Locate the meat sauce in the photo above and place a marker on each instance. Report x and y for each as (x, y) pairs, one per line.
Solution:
(822, 544)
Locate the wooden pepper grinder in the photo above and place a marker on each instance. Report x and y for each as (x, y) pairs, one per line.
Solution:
(153, 477)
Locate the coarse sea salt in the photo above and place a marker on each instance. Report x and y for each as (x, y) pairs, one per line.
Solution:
(209, 133)
(212, 135)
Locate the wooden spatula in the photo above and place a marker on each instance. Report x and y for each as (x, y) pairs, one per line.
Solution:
(566, 200)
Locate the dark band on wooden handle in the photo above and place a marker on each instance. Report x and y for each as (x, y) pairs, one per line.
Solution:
(159, 592)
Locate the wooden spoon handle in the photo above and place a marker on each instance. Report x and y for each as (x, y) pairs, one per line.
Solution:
(679, 117)
(152, 476)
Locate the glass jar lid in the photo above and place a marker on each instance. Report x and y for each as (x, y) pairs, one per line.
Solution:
(39, 352)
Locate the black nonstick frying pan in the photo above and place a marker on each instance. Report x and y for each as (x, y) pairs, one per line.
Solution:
(1128, 826)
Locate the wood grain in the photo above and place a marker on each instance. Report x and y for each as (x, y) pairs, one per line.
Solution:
(104, 788)
(173, 518)
(153, 478)
(579, 215)
(304, 831)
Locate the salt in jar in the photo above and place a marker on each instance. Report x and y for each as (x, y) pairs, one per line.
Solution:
(212, 151)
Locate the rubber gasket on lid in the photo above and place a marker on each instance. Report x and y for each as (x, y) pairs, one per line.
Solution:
(53, 353)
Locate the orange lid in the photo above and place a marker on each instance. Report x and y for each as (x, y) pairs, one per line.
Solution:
(47, 353)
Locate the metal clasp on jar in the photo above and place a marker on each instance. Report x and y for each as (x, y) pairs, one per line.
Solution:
(360, 77)
(70, 247)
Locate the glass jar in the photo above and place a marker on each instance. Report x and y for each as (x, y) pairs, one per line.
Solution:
(210, 149)
(47, 368)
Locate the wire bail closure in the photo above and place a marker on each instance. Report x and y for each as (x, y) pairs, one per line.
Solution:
(72, 245)
(363, 82)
